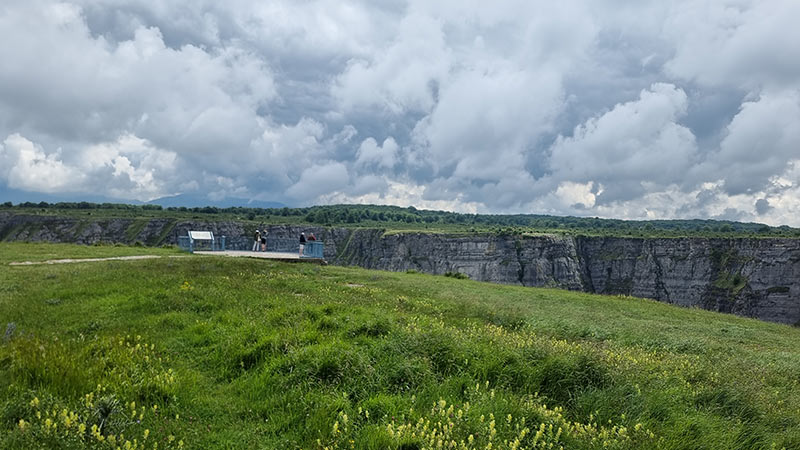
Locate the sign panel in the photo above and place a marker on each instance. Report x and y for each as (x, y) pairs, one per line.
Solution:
(201, 235)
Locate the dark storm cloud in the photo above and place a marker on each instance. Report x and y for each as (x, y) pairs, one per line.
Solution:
(626, 109)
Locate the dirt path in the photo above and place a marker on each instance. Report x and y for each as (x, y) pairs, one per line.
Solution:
(267, 255)
(67, 261)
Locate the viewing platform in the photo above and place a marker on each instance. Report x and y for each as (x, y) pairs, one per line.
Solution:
(279, 256)
(205, 243)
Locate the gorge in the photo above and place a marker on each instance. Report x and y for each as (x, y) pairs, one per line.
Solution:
(751, 277)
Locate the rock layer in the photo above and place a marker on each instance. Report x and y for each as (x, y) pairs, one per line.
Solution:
(749, 277)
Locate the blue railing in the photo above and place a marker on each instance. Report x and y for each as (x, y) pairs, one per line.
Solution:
(283, 245)
(312, 249)
(184, 243)
(188, 244)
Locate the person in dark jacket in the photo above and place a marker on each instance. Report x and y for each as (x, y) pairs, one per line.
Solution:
(302, 243)
(256, 241)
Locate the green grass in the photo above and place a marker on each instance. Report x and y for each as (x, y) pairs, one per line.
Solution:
(19, 252)
(241, 353)
(135, 228)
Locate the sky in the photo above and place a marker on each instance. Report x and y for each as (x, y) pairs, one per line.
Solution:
(601, 108)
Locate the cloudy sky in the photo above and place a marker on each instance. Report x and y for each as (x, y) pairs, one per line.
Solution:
(609, 108)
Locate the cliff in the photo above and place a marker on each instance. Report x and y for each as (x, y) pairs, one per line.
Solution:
(749, 277)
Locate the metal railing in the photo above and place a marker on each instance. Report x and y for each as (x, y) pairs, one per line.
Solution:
(312, 249)
(188, 244)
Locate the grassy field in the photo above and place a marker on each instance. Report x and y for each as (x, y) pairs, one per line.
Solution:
(207, 352)
(36, 253)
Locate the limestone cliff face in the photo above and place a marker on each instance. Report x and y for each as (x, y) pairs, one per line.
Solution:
(88, 230)
(750, 277)
(541, 261)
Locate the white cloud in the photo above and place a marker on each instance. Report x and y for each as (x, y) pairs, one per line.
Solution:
(635, 143)
(381, 156)
(128, 168)
(489, 114)
(760, 142)
(188, 99)
(138, 170)
(402, 194)
(784, 197)
(366, 185)
(26, 166)
(319, 179)
(577, 195)
(751, 44)
(633, 109)
(283, 151)
(403, 77)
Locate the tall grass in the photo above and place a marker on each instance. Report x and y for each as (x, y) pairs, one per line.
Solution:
(206, 352)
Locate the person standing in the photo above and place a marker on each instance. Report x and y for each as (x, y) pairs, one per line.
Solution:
(264, 241)
(256, 241)
(302, 243)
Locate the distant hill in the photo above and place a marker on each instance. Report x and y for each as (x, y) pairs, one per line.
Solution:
(17, 196)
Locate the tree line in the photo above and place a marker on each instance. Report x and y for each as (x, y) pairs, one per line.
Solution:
(411, 217)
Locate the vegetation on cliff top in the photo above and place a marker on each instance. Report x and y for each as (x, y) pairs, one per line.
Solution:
(412, 219)
(207, 352)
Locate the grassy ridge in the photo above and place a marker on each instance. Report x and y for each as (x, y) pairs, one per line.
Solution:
(206, 352)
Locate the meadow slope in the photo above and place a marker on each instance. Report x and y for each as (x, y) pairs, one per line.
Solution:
(208, 352)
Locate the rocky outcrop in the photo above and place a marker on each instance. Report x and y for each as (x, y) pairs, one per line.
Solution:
(750, 277)
(540, 261)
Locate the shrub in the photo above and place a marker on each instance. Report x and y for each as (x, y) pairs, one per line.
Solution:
(457, 275)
